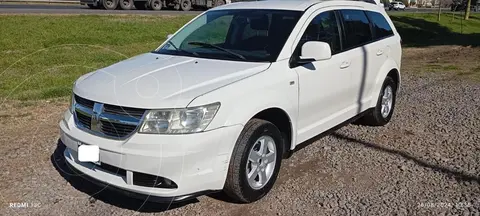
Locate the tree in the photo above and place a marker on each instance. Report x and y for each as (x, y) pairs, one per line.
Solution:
(439, 10)
(441, 3)
(467, 10)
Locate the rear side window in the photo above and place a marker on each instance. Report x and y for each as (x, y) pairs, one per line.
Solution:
(381, 28)
(356, 27)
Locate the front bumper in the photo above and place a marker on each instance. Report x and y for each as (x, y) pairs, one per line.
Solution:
(195, 162)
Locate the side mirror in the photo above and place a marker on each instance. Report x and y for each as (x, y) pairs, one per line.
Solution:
(315, 51)
(169, 36)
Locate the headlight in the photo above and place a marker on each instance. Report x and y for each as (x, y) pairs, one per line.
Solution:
(179, 121)
(72, 104)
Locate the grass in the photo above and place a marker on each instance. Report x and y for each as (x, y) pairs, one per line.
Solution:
(438, 67)
(42, 55)
(422, 29)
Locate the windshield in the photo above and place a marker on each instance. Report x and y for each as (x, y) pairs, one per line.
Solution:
(240, 35)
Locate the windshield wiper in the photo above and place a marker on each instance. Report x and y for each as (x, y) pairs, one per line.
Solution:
(217, 47)
(181, 50)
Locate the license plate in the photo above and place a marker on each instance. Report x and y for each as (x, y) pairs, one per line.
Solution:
(89, 153)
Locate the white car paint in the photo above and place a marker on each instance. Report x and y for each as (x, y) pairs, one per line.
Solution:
(315, 98)
(398, 6)
(155, 81)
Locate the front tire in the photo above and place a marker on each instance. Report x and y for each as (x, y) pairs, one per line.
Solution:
(255, 161)
(383, 111)
(126, 4)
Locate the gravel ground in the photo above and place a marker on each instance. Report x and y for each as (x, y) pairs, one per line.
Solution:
(426, 161)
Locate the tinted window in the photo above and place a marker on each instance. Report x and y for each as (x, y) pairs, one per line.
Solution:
(250, 31)
(323, 28)
(241, 35)
(381, 28)
(357, 28)
(214, 32)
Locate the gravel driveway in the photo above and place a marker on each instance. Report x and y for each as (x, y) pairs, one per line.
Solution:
(426, 161)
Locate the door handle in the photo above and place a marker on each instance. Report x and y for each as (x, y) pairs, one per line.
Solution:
(379, 52)
(345, 64)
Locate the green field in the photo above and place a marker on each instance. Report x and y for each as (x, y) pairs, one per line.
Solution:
(41, 56)
(422, 29)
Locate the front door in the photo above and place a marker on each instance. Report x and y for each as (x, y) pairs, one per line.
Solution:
(324, 92)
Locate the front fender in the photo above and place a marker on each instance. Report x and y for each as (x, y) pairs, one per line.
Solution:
(242, 100)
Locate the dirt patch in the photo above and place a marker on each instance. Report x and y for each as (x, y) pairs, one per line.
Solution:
(459, 60)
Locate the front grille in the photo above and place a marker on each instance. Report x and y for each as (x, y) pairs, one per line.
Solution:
(117, 130)
(84, 120)
(84, 102)
(106, 120)
(134, 112)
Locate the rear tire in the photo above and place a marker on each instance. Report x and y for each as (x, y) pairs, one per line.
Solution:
(140, 5)
(126, 4)
(378, 116)
(185, 5)
(110, 4)
(253, 169)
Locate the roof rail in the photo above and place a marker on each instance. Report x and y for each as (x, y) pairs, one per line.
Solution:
(368, 1)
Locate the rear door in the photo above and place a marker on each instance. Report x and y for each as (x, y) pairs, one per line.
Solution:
(379, 49)
(357, 43)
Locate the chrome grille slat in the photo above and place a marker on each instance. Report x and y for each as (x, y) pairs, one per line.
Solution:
(106, 120)
(84, 110)
(84, 102)
(133, 112)
(119, 119)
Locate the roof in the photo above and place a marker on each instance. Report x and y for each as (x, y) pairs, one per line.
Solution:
(295, 5)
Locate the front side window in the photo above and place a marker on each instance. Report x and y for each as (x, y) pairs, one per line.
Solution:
(323, 27)
(356, 27)
(241, 35)
(381, 28)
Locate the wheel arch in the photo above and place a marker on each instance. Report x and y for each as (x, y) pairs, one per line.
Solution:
(389, 68)
(282, 121)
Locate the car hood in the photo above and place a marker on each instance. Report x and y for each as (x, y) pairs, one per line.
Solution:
(161, 81)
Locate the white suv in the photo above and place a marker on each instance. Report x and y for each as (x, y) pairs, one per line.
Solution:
(229, 95)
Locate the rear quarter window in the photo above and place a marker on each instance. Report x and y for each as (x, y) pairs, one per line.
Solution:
(381, 28)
